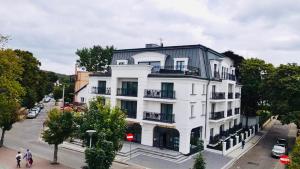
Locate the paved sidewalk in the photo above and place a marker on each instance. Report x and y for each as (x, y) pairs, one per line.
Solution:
(8, 161)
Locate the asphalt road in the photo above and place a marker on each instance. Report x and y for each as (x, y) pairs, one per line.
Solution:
(25, 134)
(259, 157)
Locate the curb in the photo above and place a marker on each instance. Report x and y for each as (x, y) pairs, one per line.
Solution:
(232, 162)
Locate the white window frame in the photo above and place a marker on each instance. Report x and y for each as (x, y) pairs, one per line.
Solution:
(193, 89)
(185, 60)
(204, 89)
(125, 62)
(203, 109)
(82, 99)
(192, 110)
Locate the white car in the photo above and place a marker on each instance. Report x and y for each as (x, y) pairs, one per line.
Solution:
(32, 114)
(278, 150)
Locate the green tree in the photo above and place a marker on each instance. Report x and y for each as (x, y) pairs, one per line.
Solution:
(110, 126)
(255, 77)
(60, 126)
(10, 74)
(295, 156)
(285, 94)
(57, 92)
(96, 58)
(3, 40)
(199, 162)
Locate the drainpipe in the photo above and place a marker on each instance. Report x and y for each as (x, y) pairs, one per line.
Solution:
(205, 59)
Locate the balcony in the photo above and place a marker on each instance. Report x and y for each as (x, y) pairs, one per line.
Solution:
(101, 90)
(229, 112)
(237, 95)
(228, 76)
(216, 115)
(230, 95)
(218, 95)
(126, 92)
(216, 75)
(182, 69)
(237, 111)
(159, 117)
(162, 94)
(224, 134)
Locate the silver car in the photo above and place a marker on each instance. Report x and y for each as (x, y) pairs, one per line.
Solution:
(278, 150)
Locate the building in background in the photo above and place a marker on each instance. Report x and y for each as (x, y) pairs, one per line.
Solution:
(173, 96)
(81, 81)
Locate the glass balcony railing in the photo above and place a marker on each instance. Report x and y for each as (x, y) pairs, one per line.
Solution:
(127, 92)
(217, 95)
(163, 94)
(160, 117)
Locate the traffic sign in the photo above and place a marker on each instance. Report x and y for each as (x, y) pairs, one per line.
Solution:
(284, 159)
(129, 137)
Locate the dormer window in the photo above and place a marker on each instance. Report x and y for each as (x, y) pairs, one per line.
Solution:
(180, 63)
(122, 62)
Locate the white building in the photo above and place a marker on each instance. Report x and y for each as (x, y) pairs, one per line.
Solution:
(173, 96)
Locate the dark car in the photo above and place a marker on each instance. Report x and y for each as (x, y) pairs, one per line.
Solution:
(282, 141)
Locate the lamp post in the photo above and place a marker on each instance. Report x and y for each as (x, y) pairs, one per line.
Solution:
(91, 132)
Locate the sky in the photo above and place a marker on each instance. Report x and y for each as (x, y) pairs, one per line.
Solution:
(54, 30)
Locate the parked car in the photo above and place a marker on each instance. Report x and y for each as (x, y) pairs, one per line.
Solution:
(37, 109)
(279, 150)
(41, 105)
(282, 141)
(47, 99)
(32, 114)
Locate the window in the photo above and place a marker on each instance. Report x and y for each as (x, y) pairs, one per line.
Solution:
(82, 99)
(193, 88)
(167, 90)
(180, 65)
(204, 89)
(213, 88)
(221, 128)
(192, 111)
(215, 67)
(101, 87)
(129, 107)
(211, 132)
(203, 109)
(230, 124)
(235, 122)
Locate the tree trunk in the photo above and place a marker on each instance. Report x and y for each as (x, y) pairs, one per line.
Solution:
(55, 153)
(2, 137)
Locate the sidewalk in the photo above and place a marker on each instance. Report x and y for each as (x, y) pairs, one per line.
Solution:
(8, 161)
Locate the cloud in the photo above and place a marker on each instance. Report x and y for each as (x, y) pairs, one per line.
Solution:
(53, 30)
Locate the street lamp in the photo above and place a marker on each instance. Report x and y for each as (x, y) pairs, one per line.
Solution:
(91, 132)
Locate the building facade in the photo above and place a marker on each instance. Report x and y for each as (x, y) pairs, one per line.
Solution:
(173, 96)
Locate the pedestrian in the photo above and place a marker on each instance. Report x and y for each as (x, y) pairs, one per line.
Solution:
(18, 158)
(28, 157)
(243, 144)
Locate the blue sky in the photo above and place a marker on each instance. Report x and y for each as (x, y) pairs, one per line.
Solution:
(53, 30)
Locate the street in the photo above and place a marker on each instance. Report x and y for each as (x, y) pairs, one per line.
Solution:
(25, 134)
(259, 157)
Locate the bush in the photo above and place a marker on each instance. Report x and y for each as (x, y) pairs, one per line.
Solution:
(199, 162)
(295, 156)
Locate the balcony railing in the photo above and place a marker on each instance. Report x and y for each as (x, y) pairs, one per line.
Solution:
(101, 90)
(237, 111)
(218, 95)
(230, 95)
(164, 94)
(224, 133)
(178, 69)
(126, 92)
(228, 76)
(229, 112)
(237, 95)
(216, 75)
(216, 115)
(160, 117)
(131, 115)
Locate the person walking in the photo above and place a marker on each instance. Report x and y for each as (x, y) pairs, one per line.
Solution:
(28, 157)
(18, 158)
(243, 144)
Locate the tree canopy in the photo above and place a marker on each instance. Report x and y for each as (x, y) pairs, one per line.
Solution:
(96, 58)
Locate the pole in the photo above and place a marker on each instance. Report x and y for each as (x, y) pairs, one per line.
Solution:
(90, 141)
(130, 150)
(63, 96)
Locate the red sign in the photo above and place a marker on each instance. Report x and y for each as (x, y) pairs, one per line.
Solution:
(129, 137)
(284, 159)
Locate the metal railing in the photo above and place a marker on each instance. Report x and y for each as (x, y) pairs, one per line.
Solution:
(216, 115)
(101, 90)
(164, 94)
(218, 95)
(127, 92)
(160, 117)
(177, 69)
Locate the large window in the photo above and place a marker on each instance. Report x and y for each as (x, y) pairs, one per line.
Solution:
(167, 90)
(129, 107)
(101, 87)
(179, 65)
